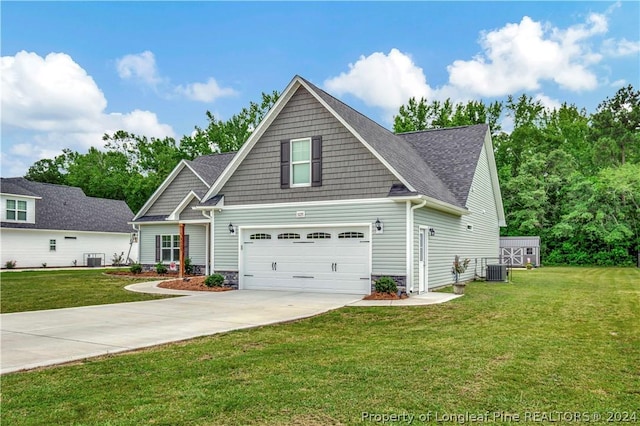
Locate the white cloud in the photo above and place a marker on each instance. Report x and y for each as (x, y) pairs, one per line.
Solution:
(205, 92)
(619, 48)
(547, 102)
(140, 66)
(618, 83)
(385, 81)
(50, 103)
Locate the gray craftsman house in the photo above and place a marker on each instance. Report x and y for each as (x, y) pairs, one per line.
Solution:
(321, 198)
(59, 225)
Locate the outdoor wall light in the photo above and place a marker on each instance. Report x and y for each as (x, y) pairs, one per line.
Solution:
(432, 232)
(378, 226)
(232, 230)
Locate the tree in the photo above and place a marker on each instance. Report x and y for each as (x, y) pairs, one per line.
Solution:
(615, 128)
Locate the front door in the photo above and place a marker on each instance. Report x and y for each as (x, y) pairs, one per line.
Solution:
(422, 261)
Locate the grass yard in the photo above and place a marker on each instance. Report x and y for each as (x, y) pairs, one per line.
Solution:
(37, 290)
(556, 340)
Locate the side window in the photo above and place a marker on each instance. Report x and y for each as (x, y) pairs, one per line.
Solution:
(52, 245)
(301, 162)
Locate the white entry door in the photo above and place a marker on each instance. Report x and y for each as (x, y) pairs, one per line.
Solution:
(320, 259)
(422, 261)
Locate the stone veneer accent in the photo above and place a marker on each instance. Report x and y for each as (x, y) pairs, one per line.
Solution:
(401, 281)
(197, 269)
(230, 278)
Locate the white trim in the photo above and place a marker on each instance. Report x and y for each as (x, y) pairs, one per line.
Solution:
(33, 197)
(300, 204)
(154, 197)
(155, 222)
(425, 274)
(62, 231)
(192, 222)
(408, 247)
(495, 183)
(255, 136)
(175, 214)
(303, 225)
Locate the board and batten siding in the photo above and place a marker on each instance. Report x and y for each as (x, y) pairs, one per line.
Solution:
(388, 248)
(454, 238)
(197, 241)
(349, 170)
(173, 195)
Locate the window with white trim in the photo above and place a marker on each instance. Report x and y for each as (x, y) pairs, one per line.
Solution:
(52, 245)
(17, 210)
(170, 246)
(289, 236)
(301, 162)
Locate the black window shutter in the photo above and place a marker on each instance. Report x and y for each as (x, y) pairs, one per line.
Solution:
(316, 161)
(158, 254)
(186, 246)
(284, 164)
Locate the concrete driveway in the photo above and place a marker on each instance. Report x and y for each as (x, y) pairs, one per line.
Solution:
(41, 338)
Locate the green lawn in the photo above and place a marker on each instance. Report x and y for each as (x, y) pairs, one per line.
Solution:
(36, 290)
(555, 340)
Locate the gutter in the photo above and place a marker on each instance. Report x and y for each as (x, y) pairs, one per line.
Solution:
(434, 204)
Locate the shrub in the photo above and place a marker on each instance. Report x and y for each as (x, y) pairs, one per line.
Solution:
(161, 269)
(10, 264)
(117, 259)
(44, 264)
(135, 268)
(188, 266)
(386, 285)
(214, 280)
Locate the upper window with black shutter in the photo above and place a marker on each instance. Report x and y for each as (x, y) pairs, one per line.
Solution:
(301, 162)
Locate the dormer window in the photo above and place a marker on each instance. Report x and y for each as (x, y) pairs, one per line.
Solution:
(301, 162)
(17, 210)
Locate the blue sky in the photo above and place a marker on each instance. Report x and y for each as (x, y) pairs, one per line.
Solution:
(72, 71)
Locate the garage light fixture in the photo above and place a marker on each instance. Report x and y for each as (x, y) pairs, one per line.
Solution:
(378, 226)
(232, 230)
(432, 232)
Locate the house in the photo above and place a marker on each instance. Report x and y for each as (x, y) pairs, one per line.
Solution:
(518, 251)
(321, 198)
(59, 225)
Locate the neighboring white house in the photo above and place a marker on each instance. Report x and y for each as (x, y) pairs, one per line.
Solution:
(60, 226)
(320, 198)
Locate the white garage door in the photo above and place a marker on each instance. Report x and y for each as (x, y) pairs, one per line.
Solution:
(310, 259)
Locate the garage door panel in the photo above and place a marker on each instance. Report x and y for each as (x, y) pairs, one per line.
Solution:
(321, 260)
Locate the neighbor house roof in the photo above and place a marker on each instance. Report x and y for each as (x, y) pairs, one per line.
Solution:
(63, 207)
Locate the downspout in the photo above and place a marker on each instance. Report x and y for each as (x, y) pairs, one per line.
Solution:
(209, 259)
(410, 254)
(133, 225)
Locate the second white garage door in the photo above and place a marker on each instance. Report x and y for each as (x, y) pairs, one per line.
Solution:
(333, 260)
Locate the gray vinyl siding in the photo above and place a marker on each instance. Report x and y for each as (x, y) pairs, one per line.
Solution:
(173, 195)
(189, 214)
(349, 170)
(197, 241)
(388, 248)
(452, 237)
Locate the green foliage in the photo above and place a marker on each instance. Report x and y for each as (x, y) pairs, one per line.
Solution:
(10, 264)
(135, 268)
(386, 285)
(215, 280)
(161, 268)
(117, 259)
(188, 266)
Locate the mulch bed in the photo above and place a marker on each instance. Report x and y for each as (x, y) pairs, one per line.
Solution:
(385, 296)
(191, 283)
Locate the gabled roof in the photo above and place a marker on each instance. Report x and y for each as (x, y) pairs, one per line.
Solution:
(63, 207)
(207, 168)
(402, 155)
(452, 153)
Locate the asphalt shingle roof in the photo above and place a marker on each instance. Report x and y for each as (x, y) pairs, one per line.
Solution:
(452, 153)
(399, 153)
(209, 167)
(68, 208)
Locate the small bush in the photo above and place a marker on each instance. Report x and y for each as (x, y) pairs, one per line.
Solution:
(386, 285)
(10, 264)
(44, 264)
(161, 269)
(136, 268)
(188, 266)
(214, 280)
(117, 259)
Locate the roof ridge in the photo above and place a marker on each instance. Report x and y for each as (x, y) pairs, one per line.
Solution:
(441, 128)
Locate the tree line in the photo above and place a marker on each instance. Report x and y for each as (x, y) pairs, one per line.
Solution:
(570, 177)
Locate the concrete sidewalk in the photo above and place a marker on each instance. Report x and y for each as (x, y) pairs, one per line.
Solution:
(41, 338)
